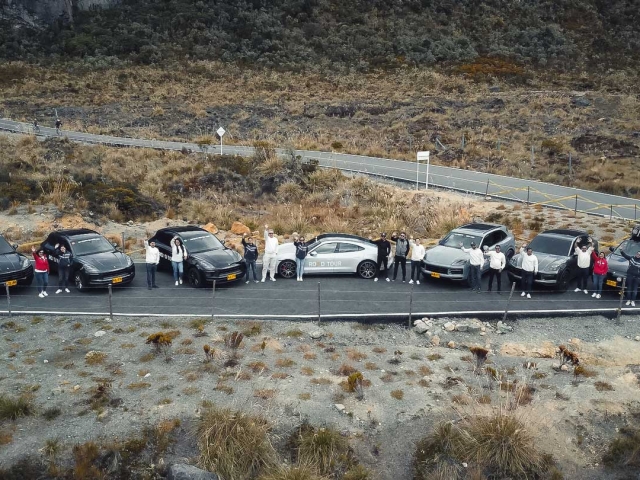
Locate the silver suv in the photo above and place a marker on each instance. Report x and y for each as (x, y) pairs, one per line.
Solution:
(447, 260)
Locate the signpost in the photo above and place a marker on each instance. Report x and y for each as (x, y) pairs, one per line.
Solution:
(422, 156)
(221, 131)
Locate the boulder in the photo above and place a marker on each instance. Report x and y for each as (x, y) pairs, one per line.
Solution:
(238, 228)
(449, 326)
(435, 340)
(451, 344)
(474, 328)
(180, 471)
(462, 327)
(211, 228)
(420, 327)
(316, 334)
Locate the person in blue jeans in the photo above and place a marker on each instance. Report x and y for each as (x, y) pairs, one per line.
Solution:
(301, 253)
(250, 256)
(633, 277)
(178, 256)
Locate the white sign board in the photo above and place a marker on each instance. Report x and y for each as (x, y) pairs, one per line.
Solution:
(423, 156)
(221, 131)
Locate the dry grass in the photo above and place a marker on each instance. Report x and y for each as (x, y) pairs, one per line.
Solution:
(284, 363)
(13, 408)
(397, 394)
(325, 449)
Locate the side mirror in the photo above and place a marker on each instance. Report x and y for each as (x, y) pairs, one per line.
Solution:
(114, 244)
(314, 254)
(223, 241)
(15, 246)
(612, 249)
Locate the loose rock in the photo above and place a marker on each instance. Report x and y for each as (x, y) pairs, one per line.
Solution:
(181, 471)
(435, 340)
(451, 344)
(420, 327)
(316, 334)
(99, 333)
(340, 407)
(449, 326)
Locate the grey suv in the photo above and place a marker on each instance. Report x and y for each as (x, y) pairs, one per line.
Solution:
(618, 265)
(447, 260)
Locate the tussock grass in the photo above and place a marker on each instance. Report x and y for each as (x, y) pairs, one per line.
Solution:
(13, 408)
(234, 444)
(624, 450)
(296, 472)
(322, 448)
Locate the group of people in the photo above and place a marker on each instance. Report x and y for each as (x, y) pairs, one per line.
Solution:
(41, 269)
(152, 259)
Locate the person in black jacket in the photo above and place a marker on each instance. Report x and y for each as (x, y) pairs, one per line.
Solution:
(633, 277)
(65, 259)
(384, 250)
(301, 253)
(400, 257)
(250, 256)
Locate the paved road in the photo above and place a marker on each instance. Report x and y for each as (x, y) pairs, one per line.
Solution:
(444, 177)
(340, 297)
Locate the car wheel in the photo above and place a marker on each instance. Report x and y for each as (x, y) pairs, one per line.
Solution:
(80, 281)
(563, 281)
(287, 269)
(195, 278)
(367, 269)
(510, 255)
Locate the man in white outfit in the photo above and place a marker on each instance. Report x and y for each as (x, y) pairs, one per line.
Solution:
(497, 262)
(269, 259)
(476, 260)
(584, 264)
(529, 270)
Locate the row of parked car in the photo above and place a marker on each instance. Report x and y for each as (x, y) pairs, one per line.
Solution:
(98, 262)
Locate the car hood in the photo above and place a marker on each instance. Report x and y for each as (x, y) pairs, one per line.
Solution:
(286, 250)
(105, 262)
(10, 262)
(618, 265)
(221, 258)
(441, 255)
(544, 260)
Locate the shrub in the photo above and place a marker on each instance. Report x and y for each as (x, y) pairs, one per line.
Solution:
(323, 448)
(233, 444)
(624, 450)
(161, 342)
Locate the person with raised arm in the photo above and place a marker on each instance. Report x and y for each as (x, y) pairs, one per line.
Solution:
(497, 262)
(250, 256)
(400, 257)
(584, 264)
(65, 259)
(384, 250)
(633, 277)
(476, 260)
(41, 270)
(270, 257)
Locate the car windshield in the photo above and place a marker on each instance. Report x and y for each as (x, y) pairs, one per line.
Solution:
(5, 247)
(200, 241)
(551, 245)
(90, 245)
(629, 247)
(454, 239)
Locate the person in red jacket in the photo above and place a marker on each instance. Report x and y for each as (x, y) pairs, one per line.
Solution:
(600, 269)
(41, 271)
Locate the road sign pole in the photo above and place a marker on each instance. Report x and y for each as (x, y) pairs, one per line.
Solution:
(423, 156)
(221, 131)
(8, 299)
(417, 172)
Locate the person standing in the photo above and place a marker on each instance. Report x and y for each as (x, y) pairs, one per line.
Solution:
(529, 270)
(384, 250)
(600, 269)
(41, 271)
(584, 264)
(65, 259)
(417, 254)
(497, 262)
(400, 257)
(633, 277)
(301, 253)
(152, 260)
(250, 256)
(476, 260)
(36, 127)
(58, 126)
(270, 257)
(178, 256)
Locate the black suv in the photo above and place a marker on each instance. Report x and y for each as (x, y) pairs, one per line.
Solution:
(207, 257)
(96, 262)
(557, 261)
(618, 265)
(15, 268)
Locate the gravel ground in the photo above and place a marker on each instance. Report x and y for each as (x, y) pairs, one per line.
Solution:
(296, 377)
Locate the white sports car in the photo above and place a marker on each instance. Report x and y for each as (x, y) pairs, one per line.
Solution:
(332, 253)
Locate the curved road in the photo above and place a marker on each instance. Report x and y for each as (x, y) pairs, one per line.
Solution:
(479, 183)
(333, 297)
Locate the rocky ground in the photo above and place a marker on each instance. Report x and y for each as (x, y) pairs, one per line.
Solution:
(290, 372)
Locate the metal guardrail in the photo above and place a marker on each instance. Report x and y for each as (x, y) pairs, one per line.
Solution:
(530, 192)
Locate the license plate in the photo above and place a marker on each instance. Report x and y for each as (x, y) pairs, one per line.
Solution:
(612, 283)
(117, 280)
(435, 275)
(231, 276)
(11, 283)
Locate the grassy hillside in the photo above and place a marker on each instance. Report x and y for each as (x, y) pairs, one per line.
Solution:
(335, 34)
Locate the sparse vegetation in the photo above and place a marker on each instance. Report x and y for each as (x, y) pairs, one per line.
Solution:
(13, 408)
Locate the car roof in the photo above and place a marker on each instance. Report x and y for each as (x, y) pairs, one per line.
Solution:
(338, 236)
(184, 228)
(565, 232)
(479, 227)
(75, 232)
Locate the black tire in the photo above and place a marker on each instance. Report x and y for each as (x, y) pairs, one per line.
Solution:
(367, 269)
(563, 281)
(509, 256)
(196, 280)
(287, 269)
(80, 281)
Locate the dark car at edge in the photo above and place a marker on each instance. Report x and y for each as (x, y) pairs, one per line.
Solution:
(557, 261)
(208, 259)
(618, 265)
(15, 268)
(96, 261)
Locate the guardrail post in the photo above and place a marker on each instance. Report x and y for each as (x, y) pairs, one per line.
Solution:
(411, 306)
(528, 191)
(611, 213)
(575, 209)
(624, 284)
(319, 314)
(635, 211)
(486, 192)
(122, 240)
(213, 296)
(506, 308)
(8, 299)
(110, 302)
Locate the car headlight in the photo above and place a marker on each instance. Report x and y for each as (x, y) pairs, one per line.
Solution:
(206, 265)
(129, 261)
(555, 266)
(90, 268)
(619, 279)
(462, 261)
(25, 262)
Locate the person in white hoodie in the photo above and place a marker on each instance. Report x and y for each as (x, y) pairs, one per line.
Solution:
(417, 254)
(584, 264)
(178, 256)
(497, 262)
(529, 270)
(152, 261)
(270, 257)
(476, 260)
